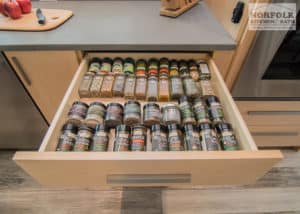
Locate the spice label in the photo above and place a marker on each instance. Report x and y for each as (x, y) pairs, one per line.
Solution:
(138, 142)
(216, 111)
(228, 141)
(192, 141)
(200, 112)
(128, 68)
(105, 68)
(100, 142)
(207, 87)
(117, 67)
(82, 144)
(65, 143)
(121, 143)
(204, 68)
(210, 141)
(94, 67)
(159, 142)
(186, 110)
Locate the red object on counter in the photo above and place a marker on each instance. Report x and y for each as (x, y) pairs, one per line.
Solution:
(12, 9)
(25, 6)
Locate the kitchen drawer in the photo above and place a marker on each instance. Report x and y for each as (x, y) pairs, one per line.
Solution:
(270, 113)
(148, 168)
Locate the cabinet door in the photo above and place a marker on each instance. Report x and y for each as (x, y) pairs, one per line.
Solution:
(46, 75)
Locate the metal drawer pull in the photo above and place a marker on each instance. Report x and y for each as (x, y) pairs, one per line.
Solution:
(273, 112)
(22, 70)
(279, 134)
(151, 178)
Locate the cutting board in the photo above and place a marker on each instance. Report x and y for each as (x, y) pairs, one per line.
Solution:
(29, 22)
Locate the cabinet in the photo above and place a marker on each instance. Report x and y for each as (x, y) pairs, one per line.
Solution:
(46, 75)
(147, 168)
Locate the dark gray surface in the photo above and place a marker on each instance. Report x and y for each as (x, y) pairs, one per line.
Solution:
(124, 25)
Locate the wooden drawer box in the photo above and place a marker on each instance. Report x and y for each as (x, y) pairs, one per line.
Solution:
(148, 168)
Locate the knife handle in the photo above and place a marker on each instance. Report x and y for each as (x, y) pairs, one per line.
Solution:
(41, 17)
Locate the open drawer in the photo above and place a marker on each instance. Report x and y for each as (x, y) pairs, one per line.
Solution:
(148, 168)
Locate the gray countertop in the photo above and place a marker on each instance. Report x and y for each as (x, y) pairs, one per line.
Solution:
(123, 26)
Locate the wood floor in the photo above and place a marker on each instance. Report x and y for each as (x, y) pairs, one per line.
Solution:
(276, 192)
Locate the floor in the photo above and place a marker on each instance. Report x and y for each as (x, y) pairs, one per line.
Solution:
(277, 192)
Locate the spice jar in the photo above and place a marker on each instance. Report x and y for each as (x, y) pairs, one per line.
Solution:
(95, 65)
(84, 87)
(77, 112)
(176, 87)
(107, 85)
(95, 114)
(114, 115)
(200, 111)
(209, 141)
(106, 66)
(119, 84)
(159, 138)
(186, 111)
(190, 88)
(129, 88)
(164, 93)
(84, 139)
(117, 66)
(141, 65)
(183, 69)
(192, 138)
(141, 87)
(151, 114)
(96, 85)
(171, 114)
(100, 139)
(67, 138)
(194, 72)
(129, 66)
(138, 138)
(175, 139)
(122, 138)
(207, 88)
(215, 109)
(132, 112)
(164, 66)
(153, 67)
(204, 71)
(227, 138)
(174, 71)
(152, 89)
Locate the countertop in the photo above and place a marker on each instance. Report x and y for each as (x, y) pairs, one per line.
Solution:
(124, 26)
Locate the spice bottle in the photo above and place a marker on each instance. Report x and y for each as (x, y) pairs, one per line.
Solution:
(129, 88)
(227, 138)
(138, 138)
(119, 84)
(106, 66)
(190, 88)
(215, 109)
(100, 139)
(151, 114)
(67, 138)
(186, 111)
(95, 65)
(207, 88)
(95, 114)
(132, 112)
(117, 66)
(77, 112)
(200, 111)
(96, 85)
(107, 85)
(192, 138)
(209, 140)
(204, 71)
(114, 115)
(176, 87)
(183, 69)
(84, 139)
(153, 67)
(174, 70)
(164, 66)
(122, 138)
(171, 114)
(152, 89)
(164, 93)
(129, 66)
(175, 138)
(141, 87)
(194, 72)
(84, 87)
(141, 66)
(159, 138)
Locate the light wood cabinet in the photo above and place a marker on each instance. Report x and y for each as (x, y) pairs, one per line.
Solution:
(46, 75)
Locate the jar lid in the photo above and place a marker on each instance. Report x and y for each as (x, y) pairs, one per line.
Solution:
(198, 99)
(158, 127)
(115, 104)
(203, 126)
(210, 99)
(70, 126)
(174, 126)
(151, 105)
(164, 60)
(183, 99)
(139, 126)
(182, 63)
(174, 61)
(80, 103)
(132, 102)
(97, 104)
(95, 59)
(153, 60)
(108, 60)
(118, 59)
(223, 127)
(192, 63)
(164, 75)
(129, 60)
(123, 128)
(84, 127)
(141, 61)
(101, 127)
